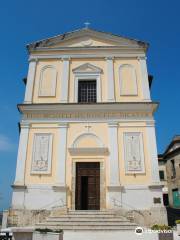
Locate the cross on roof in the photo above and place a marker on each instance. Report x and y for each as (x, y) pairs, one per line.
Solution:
(87, 24)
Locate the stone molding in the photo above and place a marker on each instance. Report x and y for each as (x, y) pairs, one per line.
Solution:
(88, 151)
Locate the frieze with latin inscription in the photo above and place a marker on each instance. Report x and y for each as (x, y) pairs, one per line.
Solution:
(85, 115)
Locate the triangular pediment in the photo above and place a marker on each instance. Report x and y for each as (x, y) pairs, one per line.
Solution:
(87, 68)
(86, 38)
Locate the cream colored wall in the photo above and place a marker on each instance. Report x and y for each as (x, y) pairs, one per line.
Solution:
(44, 178)
(101, 63)
(57, 64)
(134, 179)
(75, 130)
(134, 63)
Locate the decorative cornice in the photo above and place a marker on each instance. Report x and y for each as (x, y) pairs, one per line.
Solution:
(89, 151)
(88, 111)
(102, 55)
(87, 68)
(18, 186)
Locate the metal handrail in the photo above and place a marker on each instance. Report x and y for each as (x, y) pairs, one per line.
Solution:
(58, 206)
(115, 201)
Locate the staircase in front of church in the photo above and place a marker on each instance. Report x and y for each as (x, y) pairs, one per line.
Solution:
(87, 220)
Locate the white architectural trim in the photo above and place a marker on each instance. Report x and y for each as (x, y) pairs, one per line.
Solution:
(134, 79)
(110, 78)
(61, 155)
(152, 147)
(21, 157)
(109, 108)
(88, 151)
(88, 76)
(65, 80)
(41, 93)
(87, 68)
(30, 80)
(113, 154)
(120, 54)
(85, 135)
(144, 77)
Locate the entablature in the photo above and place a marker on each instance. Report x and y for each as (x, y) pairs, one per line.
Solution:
(88, 111)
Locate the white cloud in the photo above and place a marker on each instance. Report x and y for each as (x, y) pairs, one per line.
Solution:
(5, 144)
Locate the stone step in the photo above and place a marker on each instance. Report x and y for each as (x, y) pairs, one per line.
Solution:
(69, 219)
(85, 216)
(89, 223)
(88, 227)
(89, 212)
(87, 220)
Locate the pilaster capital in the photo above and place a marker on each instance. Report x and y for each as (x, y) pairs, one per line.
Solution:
(33, 59)
(142, 58)
(109, 58)
(63, 125)
(65, 58)
(113, 124)
(24, 125)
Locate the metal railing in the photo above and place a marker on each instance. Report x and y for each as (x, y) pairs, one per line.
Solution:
(130, 209)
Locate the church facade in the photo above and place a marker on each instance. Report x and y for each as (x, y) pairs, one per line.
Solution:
(87, 139)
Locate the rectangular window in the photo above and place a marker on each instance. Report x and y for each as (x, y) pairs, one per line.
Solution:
(87, 91)
(161, 175)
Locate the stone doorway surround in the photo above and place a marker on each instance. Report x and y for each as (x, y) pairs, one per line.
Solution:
(102, 182)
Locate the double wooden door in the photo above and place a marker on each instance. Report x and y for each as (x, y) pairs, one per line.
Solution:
(87, 186)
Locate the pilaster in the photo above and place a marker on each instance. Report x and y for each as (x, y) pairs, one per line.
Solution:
(65, 80)
(21, 158)
(110, 78)
(152, 146)
(145, 81)
(113, 155)
(61, 155)
(30, 81)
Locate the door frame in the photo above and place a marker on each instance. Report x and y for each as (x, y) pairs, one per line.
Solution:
(102, 183)
(87, 170)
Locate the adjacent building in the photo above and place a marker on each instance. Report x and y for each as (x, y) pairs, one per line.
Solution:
(169, 170)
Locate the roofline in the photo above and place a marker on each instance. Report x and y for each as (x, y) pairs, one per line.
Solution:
(33, 44)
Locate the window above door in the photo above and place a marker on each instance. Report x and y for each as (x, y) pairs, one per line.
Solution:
(87, 92)
(87, 85)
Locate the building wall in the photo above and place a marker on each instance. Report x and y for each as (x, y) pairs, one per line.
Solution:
(122, 78)
(173, 182)
(75, 130)
(125, 71)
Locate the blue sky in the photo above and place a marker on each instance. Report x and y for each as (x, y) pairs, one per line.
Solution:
(21, 22)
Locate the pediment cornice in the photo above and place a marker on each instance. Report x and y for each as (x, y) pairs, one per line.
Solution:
(87, 68)
(119, 41)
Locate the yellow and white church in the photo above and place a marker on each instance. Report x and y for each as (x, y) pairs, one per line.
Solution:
(87, 132)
